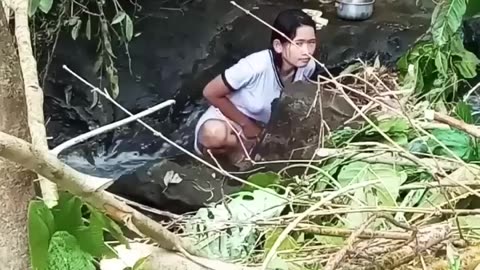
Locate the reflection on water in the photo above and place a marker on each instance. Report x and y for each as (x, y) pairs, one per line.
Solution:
(127, 154)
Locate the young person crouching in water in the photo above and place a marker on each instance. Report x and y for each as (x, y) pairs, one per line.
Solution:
(243, 94)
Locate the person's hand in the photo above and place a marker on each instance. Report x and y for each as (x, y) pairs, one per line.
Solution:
(251, 131)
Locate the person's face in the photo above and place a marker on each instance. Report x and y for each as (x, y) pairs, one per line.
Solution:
(297, 56)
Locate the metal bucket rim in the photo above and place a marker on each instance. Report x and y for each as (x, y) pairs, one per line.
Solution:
(356, 4)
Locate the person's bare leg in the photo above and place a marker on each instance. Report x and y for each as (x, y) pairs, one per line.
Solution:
(219, 137)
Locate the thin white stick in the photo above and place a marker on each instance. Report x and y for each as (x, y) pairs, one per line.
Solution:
(159, 134)
(465, 98)
(81, 138)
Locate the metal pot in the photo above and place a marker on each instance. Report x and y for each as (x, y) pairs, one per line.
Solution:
(356, 10)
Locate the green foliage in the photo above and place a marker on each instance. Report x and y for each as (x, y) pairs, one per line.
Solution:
(66, 220)
(446, 19)
(262, 179)
(396, 128)
(80, 24)
(391, 178)
(41, 227)
(43, 5)
(433, 68)
(460, 143)
(226, 230)
(464, 111)
(64, 253)
(457, 141)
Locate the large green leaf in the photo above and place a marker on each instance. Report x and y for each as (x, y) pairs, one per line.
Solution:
(457, 141)
(465, 62)
(464, 112)
(101, 220)
(45, 5)
(446, 19)
(64, 253)
(32, 7)
(467, 65)
(68, 217)
(394, 125)
(68, 212)
(40, 228)
(391, 177)
(90, 240)
(441, 62)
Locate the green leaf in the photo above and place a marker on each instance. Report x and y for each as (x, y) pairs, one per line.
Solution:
(113, 78)
(68, 217)
(88, 28)
(90, 240)
(98, 64)
(40, 228)
(118, 17)
(45, 5)
(68, 212)
(464, 112)
(446, 19)
(32, 7)
(457, 141)
(101, 220)
(441, 62)
(262, 180)
(76, 29)
(400, 138)
(64, 253)
(271, 237)
(470, 221)
(128, 28)
(391, 177)
(467, 65)
(394, 125)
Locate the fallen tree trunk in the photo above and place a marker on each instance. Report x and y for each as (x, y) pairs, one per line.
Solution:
(33, 93)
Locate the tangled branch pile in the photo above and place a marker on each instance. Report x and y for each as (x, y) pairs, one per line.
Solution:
(388, 194)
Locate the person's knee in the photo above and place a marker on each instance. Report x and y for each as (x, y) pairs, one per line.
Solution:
(213, 134)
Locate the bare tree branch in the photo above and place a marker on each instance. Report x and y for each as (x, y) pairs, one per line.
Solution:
(46, 164)
(459, 124)
(33, 93)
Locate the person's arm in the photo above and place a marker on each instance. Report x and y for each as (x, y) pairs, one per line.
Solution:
(216, 92)
(233, 79)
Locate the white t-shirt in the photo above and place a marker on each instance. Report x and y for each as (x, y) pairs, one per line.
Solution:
(255, 83)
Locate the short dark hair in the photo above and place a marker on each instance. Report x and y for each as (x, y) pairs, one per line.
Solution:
(287, 23)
